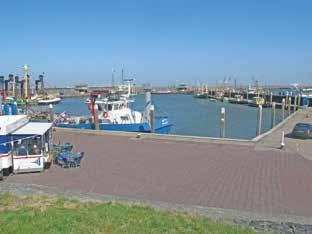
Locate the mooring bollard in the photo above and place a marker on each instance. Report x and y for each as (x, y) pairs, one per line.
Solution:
(51, 114)
(283, 139)
(283, 109)
(273, 115)
(289, 106)
(152, 118)
(222, 123)
(96, 117)
(259, 121)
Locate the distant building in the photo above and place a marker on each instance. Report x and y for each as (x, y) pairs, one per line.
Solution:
(82, 88)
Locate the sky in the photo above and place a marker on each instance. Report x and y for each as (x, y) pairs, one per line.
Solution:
(161, 42)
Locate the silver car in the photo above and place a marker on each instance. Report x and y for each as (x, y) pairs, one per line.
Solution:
(302, 130)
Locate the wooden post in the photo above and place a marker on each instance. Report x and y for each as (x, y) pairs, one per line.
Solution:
(152, 118)
(247, 96)
(283, 109)
(271, 98)
(289, 106)
(299, 100)
(222, 123)
(51, 114)
(96, 117)
(295, 104)
(273, 115)
(259, 121)
(286, 99)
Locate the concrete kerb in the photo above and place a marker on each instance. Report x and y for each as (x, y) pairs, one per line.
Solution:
(278, 126)
(24, 190)
(142, 136)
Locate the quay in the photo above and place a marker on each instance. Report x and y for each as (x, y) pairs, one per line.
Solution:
(254, 176)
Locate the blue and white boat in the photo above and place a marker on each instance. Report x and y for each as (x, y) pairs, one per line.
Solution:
(115, 114)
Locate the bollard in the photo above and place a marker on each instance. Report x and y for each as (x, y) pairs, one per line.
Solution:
(283, 109)
(273, 115)
(96, 117)
(283, 140)
(259, 121)
(289, 106)
(152, 118)
(222, 123)
(51, 113)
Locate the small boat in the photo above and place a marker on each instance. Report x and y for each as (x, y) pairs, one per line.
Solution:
(257, 101)
(49, 100)
(201, 95)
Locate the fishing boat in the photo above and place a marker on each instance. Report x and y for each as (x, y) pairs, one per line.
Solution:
(115, 114)
(238, 99)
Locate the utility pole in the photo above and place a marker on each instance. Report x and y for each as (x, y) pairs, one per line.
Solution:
(113, 78)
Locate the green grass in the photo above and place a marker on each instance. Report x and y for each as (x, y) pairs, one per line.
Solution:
(57, 215)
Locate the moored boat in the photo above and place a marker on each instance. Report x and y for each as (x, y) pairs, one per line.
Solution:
(116, 115)
(257, 101)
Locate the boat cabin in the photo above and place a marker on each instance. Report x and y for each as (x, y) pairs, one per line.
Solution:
(24, 145)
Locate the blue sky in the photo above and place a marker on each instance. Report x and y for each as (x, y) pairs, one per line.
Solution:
(158, 42)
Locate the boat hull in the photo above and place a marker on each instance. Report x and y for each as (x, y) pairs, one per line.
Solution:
(48, 102)
(162, 126)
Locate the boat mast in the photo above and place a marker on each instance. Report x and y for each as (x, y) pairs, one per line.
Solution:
(122, 74)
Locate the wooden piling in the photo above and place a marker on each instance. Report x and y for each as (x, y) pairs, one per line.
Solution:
(283, 109)
(51, 114)
(96, 117)
(299, 100)
(295, 104)
(273, 114)
(259, 121)
(152, 118)
(271, 98)
(222, 123)
(289, 106)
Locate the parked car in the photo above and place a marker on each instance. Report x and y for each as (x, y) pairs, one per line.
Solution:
(302, 130)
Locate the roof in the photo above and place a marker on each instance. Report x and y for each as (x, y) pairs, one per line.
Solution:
(9, 123)
(33, 128)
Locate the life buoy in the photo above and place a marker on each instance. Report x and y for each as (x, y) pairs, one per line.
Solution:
(105, 114)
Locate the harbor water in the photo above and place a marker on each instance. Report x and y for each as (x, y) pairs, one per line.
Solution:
(191, 116)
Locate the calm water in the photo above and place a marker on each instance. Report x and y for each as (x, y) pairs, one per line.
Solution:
(192, 116)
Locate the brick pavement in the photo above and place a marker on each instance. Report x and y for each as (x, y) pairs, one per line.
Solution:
(212, 175)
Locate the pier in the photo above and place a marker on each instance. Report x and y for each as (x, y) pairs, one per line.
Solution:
(255, 176)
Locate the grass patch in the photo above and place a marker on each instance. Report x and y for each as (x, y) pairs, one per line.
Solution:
(59, 215)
